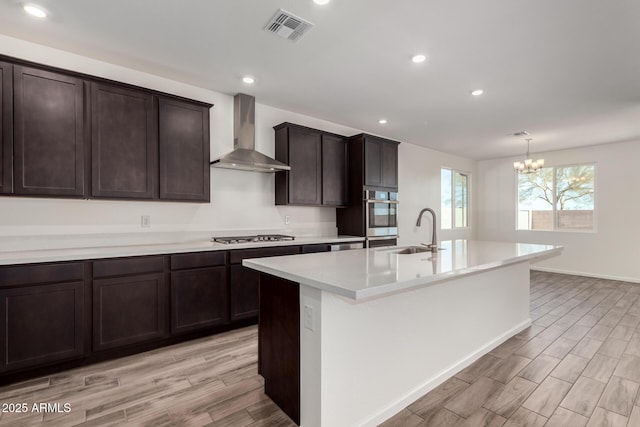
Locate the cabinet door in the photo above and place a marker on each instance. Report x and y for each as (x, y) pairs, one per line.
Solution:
(380, 163)
(128, 310)
(244, 292)
(48, 133)
(305, 176)
(334, 171)
(373, 162)
(390, 165)
(41, 324)
(124, 143)
(6, 128)
(184, 151)
(198, 298)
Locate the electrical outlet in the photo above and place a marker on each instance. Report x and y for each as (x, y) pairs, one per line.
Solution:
(287, 219)
(308, 317)
(145, 221)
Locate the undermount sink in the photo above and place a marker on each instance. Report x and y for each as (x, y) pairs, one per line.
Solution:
(413, 250)
(406, 250)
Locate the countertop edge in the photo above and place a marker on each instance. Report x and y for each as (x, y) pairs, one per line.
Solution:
(91, 253)
(442, 277)
(380, 291)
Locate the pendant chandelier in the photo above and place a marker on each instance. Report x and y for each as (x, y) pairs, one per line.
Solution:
(528, 165)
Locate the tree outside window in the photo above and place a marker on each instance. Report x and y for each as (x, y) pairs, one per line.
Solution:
(559, 198)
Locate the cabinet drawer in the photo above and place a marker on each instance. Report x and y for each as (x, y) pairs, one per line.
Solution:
(125, 266)
(198, 260)
(40, 273)
(237, 256)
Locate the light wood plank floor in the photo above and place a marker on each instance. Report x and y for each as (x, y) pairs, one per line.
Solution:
(211, 381)
(578, 365)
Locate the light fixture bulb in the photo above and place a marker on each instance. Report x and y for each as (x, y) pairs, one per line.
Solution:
(248, 80)
(419, 58)
(382, 121)
(321, 2)
(528, 165)
(34, 10)
(477, 92)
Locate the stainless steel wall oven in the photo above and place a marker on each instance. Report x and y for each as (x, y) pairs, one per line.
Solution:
(381, 216)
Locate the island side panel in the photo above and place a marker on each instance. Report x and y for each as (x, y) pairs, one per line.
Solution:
(279, 342)
(380, 355)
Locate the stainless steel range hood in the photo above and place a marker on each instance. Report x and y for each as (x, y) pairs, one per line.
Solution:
(244, 156)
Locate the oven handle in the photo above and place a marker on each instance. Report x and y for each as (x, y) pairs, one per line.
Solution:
(391, 202)
(392, 236)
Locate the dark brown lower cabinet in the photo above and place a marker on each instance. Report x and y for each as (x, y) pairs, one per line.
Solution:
(279, 342)
(128, 310)
(41, 324)
(243, 284)
(198, 298)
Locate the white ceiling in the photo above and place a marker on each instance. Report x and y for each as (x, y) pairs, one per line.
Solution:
(566, 71)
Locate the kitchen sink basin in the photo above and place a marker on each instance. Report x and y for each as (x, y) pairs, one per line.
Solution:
(405, 250)
(412, 250)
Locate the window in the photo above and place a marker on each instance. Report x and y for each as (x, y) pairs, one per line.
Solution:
(559, 198)
(454, 196)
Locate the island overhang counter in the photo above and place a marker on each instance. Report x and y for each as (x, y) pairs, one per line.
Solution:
(350, 338)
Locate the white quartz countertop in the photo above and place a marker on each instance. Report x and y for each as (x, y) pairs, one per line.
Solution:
(365, 273)
(115, 251)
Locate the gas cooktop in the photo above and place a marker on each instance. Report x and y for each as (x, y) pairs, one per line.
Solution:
(256, 238)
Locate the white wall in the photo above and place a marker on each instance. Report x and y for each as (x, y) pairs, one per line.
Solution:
(419, 187)
(613, 250)
(239, 200)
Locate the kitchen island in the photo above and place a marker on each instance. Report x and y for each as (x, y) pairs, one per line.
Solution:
(350, 338)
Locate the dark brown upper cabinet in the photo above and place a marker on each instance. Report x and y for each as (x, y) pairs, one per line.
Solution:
(318, 160)
(6, 128)
(184, 151)
(48, 133)
(124, 143)
(335, 186)
(66, 134)
(380, 161)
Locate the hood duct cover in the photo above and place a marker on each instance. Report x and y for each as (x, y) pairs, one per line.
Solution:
(244, 156)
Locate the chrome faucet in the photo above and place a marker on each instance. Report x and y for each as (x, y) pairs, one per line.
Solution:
(433, 247)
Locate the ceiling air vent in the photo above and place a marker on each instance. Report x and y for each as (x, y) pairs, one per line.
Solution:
(287, 25)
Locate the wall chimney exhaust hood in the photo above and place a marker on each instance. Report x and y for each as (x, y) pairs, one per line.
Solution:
(244, 156)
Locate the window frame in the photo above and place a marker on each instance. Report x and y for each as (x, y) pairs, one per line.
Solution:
(453, 210)
(554, 209)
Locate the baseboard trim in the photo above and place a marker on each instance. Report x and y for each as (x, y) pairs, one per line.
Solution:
(441, 377)
(583, 274)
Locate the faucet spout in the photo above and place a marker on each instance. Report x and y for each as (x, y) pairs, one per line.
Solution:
(434, 242)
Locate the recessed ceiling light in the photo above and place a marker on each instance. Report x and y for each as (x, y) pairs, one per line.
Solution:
(34, 10)
(382, 121)
(321, 2)
(477, 92)
(248, 80)
(419, 58)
